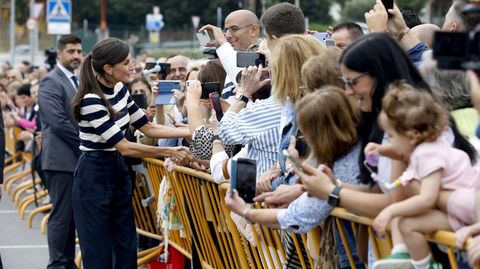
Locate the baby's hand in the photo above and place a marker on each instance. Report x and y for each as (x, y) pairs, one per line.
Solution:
(465, 232)
(371, 148)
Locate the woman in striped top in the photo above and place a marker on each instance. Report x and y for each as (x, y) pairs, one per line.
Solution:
(102, 186)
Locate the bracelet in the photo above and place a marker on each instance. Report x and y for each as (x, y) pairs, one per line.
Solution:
(217, 141)
(339, 182)
(403, 33)
(245, 215)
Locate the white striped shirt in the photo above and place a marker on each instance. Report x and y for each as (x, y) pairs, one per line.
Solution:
(258, 126)
(97, 130)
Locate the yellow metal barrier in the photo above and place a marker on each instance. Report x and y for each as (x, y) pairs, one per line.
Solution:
(156, 172)
(207, 223)
(145, 219)
(219, 244)
(382, 247)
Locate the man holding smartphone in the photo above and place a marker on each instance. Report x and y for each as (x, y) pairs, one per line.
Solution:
(240, 34)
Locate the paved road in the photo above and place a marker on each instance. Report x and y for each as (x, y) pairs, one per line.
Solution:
(20, 247)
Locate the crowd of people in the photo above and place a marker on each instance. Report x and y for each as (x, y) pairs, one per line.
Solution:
(377, 127)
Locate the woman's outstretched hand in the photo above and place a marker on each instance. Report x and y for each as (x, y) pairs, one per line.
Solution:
(314, 181)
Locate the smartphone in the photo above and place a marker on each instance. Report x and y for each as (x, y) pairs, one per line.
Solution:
(208, 88)
(244, 178)
(140, 100)
(329, 43)
(216, 104)
(388, 5)
(293, 159)
(205, 36)
(165, 91)
(321, 36)
(245, 59)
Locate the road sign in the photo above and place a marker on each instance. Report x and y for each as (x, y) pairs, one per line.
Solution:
(37, 10)
(59, 17)
(154, 22)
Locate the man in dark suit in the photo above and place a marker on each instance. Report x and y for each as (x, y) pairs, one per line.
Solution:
(60, 149)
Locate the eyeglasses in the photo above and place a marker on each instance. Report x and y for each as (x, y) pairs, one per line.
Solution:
(352, 82)
(235, 28)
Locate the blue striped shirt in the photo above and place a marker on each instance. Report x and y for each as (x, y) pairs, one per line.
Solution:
(97, 130)
(257, 125)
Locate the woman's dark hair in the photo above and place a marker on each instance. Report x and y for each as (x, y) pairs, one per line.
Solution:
(110, 51)
(213, 71)
(25, 89)
(382, 58)
(139, 80)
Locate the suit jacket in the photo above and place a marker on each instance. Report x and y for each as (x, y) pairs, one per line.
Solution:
(60, 141)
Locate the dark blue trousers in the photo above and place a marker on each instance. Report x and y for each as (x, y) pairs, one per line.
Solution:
(102, 207)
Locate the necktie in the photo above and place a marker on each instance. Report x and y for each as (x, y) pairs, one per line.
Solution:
(75, 81)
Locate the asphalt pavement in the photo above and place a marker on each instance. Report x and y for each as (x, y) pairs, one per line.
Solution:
(20, 247)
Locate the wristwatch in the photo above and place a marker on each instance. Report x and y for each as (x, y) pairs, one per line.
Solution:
(215, 137)
(242, 97)
(334, 196)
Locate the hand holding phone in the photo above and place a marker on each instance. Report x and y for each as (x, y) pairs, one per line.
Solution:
(388, 5)
(165, 91)
(216, 105)
(205, 36)
(244, 176)
(217, 38)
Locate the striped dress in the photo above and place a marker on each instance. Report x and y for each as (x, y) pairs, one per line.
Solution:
(97, 130)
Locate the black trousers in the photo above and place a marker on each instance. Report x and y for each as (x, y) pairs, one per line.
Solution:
(102, 205)
(61, 226)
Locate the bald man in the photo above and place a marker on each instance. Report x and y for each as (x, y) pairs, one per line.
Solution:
(178, 68)
(242, 29)
(425, 32)
(240, 34)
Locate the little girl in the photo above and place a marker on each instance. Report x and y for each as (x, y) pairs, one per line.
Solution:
(414, 122)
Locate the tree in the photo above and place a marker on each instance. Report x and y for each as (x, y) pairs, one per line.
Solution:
(354, 10)
(315, 10)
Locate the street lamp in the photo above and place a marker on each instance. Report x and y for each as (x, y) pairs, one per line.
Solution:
(12, 32)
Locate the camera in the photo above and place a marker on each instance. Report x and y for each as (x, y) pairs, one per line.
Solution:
(459, 50)
(161, 69)
(210, 53)
(50, 58)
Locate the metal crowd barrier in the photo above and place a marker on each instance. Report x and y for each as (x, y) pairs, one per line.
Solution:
(210, 229)
(209, 226)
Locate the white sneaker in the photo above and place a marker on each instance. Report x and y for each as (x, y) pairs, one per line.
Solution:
(394, 261)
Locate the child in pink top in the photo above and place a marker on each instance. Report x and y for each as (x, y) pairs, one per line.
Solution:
(414, 121)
